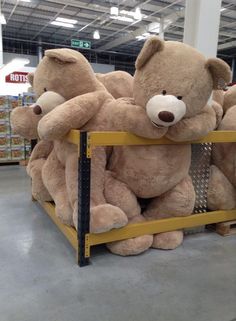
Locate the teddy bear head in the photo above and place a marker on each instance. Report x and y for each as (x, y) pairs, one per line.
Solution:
(229, 98)
(64, 71)
(118, 83)
(174, 81)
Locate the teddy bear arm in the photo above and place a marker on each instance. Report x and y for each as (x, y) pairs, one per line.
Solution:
(73, 114)
(195, 127)
(218, 111)
(134, 119)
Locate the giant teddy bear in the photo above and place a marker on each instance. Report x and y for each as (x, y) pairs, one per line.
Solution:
(24, 121)
(172, 85)
(222, 182)
(92, 109)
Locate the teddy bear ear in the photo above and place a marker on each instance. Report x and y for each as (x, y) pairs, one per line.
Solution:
(151, 46)
(220, 72)
(62, 56)
(30, 78)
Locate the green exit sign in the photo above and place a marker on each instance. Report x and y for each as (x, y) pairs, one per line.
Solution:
(83, 44)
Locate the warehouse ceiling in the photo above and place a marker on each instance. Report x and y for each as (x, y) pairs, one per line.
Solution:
(31, 22)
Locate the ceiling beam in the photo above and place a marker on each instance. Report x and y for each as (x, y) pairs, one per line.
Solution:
(227, 45)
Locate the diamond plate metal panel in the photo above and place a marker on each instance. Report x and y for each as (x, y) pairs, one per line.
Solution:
(199, 172)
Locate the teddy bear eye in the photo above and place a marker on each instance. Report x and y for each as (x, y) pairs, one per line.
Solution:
(45, 89)
(179, 97)
(163, 92)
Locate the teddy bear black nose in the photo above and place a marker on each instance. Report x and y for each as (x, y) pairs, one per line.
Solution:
(166, 116)
(37, 110)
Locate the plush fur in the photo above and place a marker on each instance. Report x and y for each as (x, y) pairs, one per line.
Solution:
(169, 72)
(222, 182)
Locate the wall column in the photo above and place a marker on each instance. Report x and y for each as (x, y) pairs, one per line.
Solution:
(201, 27)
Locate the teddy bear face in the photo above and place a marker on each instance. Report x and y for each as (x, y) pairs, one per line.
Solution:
(229, 98)
(173, 80)
(24, 120)
(54, 73)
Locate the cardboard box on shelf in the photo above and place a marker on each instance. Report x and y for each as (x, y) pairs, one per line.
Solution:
(5, 126)
(16, 141)
(5, 154)
(12, 102)
(3, 101)
(5, 140)
(17, 153)
(4, 113)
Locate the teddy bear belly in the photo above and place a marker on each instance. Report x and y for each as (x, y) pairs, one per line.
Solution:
(150, 171)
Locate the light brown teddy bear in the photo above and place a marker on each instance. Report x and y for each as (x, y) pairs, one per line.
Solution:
(222, 182)
(69, 74)
(25, 121)
(173, 83)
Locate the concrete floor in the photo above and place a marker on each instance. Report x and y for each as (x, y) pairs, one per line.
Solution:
(39, 279)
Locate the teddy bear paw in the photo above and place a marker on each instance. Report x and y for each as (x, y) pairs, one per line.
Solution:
(64, 213)
(132, 246)
(105, 217)
(168, 240)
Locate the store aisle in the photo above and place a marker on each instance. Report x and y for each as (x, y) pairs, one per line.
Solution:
(39, 279)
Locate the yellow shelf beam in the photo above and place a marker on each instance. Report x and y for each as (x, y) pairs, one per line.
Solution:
(163, 225)
(69, 232)
(138, 229)
(125, 138)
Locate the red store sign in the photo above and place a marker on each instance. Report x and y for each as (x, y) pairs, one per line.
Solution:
(17, 77)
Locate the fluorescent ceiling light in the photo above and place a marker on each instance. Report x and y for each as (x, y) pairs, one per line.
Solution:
(122, 18)
(137, 14)
(62, 24)
(222, 9)
(96, 34)
(144, 36)
(154, 27)
(2, 19)
(66, 20)
(114, 11)
(25, 0)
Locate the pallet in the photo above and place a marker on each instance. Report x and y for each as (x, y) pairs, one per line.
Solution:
(226, 228)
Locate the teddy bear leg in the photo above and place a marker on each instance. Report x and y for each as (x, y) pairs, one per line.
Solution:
(179, 201)
(133, 246)
(54, 179)
(221, 193)
(118, 194)
(39, 191)
(103, 216)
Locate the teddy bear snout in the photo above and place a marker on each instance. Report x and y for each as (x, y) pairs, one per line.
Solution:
(165, 110)
(166, 116)
(37, 110)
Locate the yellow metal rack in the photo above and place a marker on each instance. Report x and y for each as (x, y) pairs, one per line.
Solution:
(81, 239)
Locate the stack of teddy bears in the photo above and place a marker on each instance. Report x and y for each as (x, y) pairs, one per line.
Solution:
(168, 96)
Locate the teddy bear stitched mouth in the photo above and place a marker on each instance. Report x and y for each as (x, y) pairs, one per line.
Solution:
(155, 124)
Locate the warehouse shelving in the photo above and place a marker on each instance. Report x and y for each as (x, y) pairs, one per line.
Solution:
(82, 240)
